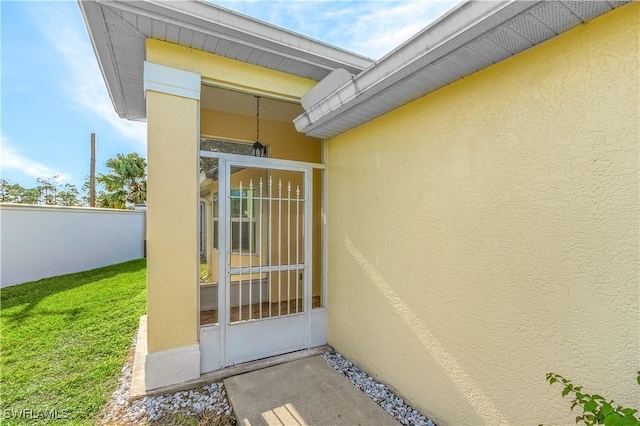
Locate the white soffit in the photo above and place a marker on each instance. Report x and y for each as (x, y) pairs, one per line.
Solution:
(472, 36)
(119, 28)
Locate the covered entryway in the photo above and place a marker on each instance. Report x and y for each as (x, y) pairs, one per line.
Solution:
(257, 257)
(193, 69)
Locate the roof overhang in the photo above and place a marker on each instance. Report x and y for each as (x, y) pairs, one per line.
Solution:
(118, 30)
(472, 36)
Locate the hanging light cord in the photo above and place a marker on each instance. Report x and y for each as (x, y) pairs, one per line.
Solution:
(257, 118)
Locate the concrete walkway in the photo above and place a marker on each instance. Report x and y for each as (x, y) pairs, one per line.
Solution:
(303, 392)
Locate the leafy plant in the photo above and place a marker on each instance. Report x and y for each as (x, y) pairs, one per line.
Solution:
(126, 182)
(596, 410)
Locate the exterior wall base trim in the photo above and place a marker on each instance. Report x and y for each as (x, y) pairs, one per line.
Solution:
(172, 366)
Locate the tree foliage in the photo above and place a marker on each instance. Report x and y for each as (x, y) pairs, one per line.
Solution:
(126, 182)
(49, 191)
(124, 186)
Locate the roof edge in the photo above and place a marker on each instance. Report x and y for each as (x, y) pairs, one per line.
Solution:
(457, 27)
(92, 15)
(206, 18)
(253, 27)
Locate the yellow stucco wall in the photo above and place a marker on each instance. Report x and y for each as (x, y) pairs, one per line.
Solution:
(488, 233)
(172, 221)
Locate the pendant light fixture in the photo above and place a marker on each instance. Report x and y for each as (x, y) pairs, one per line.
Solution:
(259, 150)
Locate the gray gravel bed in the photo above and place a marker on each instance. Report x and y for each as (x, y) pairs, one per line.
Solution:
(211, 398)
(378, 392)
(209, 404)
(204, 405)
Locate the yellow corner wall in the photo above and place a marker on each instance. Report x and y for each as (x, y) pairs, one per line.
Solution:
(172, 221)
(488, 233)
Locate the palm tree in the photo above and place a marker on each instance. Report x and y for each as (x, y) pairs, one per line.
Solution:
(126, 182)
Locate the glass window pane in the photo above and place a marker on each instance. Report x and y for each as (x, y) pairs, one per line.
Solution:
(239, 241)
(225, 146)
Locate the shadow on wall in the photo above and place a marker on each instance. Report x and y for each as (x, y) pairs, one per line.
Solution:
(465, 384)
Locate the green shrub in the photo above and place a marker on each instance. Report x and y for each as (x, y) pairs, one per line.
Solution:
(596, 410)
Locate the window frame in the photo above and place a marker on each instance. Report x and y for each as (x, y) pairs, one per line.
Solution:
(235, 236)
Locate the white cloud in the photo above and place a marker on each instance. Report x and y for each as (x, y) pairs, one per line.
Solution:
(85, 83)
(371, 28)
(383, 28)
(11, 159)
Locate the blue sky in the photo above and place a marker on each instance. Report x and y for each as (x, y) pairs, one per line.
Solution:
(54, 97)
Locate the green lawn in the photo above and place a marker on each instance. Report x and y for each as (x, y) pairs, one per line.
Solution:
(64, 340)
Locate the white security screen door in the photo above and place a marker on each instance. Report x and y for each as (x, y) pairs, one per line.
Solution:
(264, 237)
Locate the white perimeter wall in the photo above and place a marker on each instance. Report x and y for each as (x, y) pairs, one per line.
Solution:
(44, 241)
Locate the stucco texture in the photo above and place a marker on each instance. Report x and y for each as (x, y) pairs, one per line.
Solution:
(488, 233)
(172, 221)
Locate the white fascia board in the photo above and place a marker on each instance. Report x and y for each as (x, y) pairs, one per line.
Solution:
(173, 81)
(461, 25)
(329, 84)
(210, 18)
(96, 27)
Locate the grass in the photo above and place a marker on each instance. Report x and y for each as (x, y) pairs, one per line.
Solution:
(204, 273)
(64, 341)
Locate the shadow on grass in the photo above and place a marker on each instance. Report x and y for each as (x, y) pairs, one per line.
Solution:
(30, 294)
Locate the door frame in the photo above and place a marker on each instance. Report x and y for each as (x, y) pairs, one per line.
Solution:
(225, 162)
